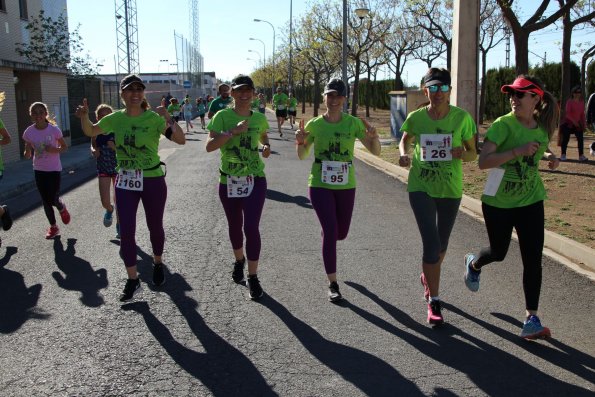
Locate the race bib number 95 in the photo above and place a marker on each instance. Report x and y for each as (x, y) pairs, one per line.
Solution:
(335, 172)
(130, 180)
(436, 147)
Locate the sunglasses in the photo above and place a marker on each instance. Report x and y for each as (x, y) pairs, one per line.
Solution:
(519, 94)
(434, 88)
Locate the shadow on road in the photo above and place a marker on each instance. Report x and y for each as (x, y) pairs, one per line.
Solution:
(223, 369)
(17, 302)
(370, 374)
(494, 371)
(286, 198)
(78, 275)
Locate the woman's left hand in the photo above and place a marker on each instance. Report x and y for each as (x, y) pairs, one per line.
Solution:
(553, 164)
(161, 110)
(457, 152)
(266, 151)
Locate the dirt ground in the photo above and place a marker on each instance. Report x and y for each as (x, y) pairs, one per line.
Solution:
(570, 208)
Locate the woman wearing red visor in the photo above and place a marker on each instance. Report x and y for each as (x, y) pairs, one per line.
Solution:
(514, 192)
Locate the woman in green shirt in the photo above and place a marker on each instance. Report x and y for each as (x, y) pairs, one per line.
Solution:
(514, 192)
(237, 132)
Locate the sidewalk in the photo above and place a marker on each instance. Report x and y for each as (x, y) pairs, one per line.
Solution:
(574, 255)
(18, 176)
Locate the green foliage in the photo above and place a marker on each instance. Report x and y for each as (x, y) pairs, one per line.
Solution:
(51, 45)
(550, 74)
(379, 98)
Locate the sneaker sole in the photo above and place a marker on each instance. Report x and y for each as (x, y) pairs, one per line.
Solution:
(136, 291)
(544, 334)
(470, 288)
(335, 300)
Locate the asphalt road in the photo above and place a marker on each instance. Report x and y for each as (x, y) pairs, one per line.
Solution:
(63, 331)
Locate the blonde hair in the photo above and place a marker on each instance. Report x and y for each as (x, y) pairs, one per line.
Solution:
(49, 119)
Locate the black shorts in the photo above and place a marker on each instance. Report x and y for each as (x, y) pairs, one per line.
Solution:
(281, 113)
(292, 113)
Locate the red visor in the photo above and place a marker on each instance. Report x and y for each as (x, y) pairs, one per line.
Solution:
(522, 84)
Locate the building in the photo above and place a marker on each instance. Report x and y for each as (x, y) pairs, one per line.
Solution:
(24, 82)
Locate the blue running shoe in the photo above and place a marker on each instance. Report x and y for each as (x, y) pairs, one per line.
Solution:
(108, 218)
(117, 230)
(471, 275)
(532, 329)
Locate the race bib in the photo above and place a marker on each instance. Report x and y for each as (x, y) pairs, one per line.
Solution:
(239, 186)
(130, 180)
(176, 113)
(292, 109)
(436, 147)
(280, 107)
(335, 172)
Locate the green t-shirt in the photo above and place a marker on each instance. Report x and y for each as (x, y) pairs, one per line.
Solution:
(239, 155)
(292, 104)
(333, 142)
(218, 104)
(136, 139)
(1, 161)
(174, 110)
(521, 184)
(280, 101)
(439, 179)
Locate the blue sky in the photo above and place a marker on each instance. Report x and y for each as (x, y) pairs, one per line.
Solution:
(225, 28)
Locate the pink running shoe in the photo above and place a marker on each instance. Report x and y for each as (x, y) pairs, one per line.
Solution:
(434, 314)
(52, 232)
(422, 279)
(65, 215)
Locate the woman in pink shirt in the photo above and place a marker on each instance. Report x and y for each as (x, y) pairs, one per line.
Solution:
(44, 141)
(574, 123)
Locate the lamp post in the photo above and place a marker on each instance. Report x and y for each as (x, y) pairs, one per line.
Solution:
(273, 57)
(264, 49)
(256, 52)
(176, 65)
(361, 14)
(290, 71)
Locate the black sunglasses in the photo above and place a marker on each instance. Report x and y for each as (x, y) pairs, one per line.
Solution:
(519, 94)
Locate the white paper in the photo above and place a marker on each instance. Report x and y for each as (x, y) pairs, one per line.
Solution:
(493, 182)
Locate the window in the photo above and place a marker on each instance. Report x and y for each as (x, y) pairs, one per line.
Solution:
(3, 5)
(23, 9)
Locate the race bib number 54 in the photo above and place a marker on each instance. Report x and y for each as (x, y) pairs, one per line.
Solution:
(239, 186)
(436, 147)
(130, 180)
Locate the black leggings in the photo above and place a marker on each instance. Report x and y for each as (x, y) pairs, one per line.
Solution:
(48, 184)
(529, 224)
(568, 130)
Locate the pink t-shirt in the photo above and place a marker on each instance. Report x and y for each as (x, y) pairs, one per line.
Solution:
(575, 112)
(42, 160)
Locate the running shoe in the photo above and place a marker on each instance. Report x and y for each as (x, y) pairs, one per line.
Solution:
(254, 288)
(532, 329)
(583, 158)
(563, 157)
(131, 288)
(422, 279)
(158, 274)
(108, 218)
(280, 134)
(65, 215)
(334, 295)
(117, 230)
(471, 275)
(238, 271)
(6, 218)
(52, 232)
(434, 313)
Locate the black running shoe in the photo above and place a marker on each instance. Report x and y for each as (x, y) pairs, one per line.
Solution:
(238, 271)
(255, 290)
(333, 292)
(130, 289)
(158, 274)
(6, 218)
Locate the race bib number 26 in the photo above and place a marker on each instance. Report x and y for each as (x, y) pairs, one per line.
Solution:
(130, 180)
(436, 147)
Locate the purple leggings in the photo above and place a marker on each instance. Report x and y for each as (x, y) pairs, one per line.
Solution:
(334, 209)
(153, 196)
(246, 212)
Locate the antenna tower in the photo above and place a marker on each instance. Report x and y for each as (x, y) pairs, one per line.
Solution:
(127, 37)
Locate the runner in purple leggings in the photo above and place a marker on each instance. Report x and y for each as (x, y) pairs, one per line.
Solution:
(332, 178)
(141, 177)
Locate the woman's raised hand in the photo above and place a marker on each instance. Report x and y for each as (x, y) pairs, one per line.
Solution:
(82, 110)
(301, 135)
(370, 130)
(161, 110)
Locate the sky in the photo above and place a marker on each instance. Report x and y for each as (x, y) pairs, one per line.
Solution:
(226, 26)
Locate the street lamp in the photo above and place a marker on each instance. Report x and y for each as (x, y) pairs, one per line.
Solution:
(273, 58)
(256, 52)
(264, 49)
(361, 14)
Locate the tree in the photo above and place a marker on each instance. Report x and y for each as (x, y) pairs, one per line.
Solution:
(51, 45)
(491, 29)
(521, 32)
(435, 17)
(401, 41)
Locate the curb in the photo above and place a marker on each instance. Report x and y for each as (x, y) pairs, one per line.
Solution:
(576, 256)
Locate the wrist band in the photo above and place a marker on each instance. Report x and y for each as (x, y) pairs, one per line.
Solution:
(227, 133)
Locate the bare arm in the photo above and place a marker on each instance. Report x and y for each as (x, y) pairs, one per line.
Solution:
(489, 158)
(82, 112)
(5, 137)
(406, 141)
(371, 141)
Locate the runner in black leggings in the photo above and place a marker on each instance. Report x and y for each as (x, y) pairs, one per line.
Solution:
(237, 133)
(514, 193)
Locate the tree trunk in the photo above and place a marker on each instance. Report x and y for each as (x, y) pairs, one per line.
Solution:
(565, 80)
(482, 97)
(368, 91)
(521, 49)
(304, 91)
(355, 88)
(316, 92)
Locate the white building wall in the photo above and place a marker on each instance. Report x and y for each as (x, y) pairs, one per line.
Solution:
(9, 116)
